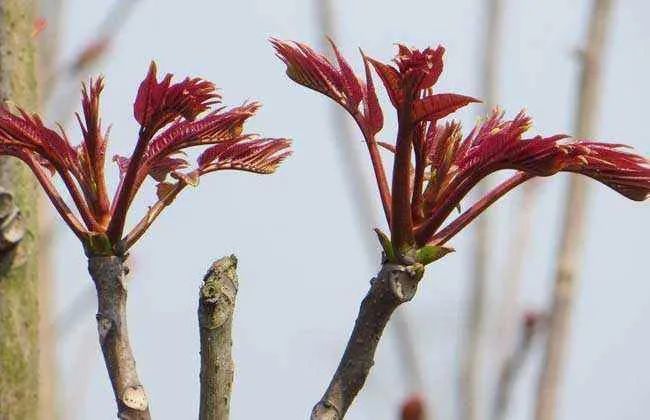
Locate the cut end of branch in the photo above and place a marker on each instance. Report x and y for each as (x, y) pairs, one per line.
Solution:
(134, 397)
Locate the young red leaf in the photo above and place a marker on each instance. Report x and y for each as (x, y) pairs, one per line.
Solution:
(391, 80)
(374, 117)
(159, 103)
(214, 127)
(351, 86)
(246, 153)
(435, 107)
(307, 68)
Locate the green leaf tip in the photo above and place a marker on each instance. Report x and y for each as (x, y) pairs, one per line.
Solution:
(430, 253)
(386, 245)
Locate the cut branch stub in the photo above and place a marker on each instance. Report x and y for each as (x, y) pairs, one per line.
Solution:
(393, 285)
(216, 307)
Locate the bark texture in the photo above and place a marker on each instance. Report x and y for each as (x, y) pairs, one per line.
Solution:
(109, 276)
(393, 285)
(18, 227)
(216, 307)
(574, 223)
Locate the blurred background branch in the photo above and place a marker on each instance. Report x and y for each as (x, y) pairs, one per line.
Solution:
(575, 217)
(471, 366)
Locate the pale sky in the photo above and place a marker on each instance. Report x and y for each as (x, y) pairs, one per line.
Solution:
(303, 270)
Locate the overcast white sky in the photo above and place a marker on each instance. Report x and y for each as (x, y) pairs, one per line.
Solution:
(302, 265)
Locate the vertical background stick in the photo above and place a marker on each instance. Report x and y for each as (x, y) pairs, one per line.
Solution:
(470, 369)
(216, 307)
(573, 230)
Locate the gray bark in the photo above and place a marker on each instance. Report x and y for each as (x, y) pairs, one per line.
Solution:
(108, 274)
(216, 307)
(393, 285)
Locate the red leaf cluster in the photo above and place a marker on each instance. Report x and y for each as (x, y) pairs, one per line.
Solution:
(434, 165)
(173, 117)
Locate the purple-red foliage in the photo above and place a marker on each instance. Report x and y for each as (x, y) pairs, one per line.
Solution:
(434, 164)
(173, 117)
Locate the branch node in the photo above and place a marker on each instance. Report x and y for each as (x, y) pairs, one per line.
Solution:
(404, 287)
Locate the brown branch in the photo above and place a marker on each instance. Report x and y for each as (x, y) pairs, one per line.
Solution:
(108, 274)
(573, 229)
(216, 307)
(521, 237)
(533, 323)
(393, 285)
(470, 368)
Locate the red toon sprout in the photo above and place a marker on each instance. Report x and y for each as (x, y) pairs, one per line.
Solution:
(435, 165)
(173, 117)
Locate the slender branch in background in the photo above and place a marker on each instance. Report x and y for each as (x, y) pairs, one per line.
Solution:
(470, 369)
(108, 274)
(520, 239)
(509, 312)
(573, 229)
(47, 49)
(363, 199)
(48, 380)
(18, 226)
(84, 360)
(216, 307)
(91, 54)
(394, 284)
(530, 328)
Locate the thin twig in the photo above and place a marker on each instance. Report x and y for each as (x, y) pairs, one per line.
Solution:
(366, 217)
(531, 327)
(47, 44)
(470, 363)
(573, 230)
(512, 275)
(108, 274)
(216, 307)
(393, 285)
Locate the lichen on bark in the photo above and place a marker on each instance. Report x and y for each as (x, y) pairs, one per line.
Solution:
(18, 265)
(216, 306)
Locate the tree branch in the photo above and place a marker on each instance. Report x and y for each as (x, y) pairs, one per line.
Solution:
(108, 274)
(393, 285)
(216, 307)
(512, 364)
(574, 219)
